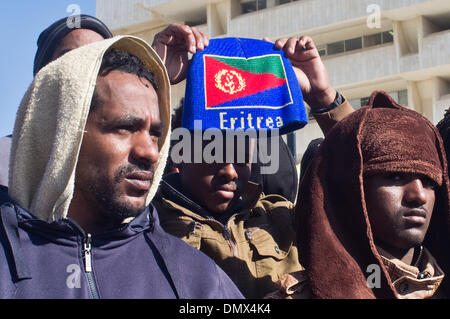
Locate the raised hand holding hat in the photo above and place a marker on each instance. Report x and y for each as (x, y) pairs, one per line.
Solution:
(173, 46)
(309, 69)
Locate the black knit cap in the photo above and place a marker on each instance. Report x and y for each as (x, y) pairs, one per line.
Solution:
(50, 37)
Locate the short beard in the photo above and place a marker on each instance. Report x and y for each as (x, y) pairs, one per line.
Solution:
(108, 196)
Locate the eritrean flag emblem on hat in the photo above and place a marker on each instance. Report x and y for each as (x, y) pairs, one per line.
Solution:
(238, 83)
(241, 83)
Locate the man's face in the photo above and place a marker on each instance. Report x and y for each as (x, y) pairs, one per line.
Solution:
(75, 39)
(217, 186)
(399, 206)
(120, 147)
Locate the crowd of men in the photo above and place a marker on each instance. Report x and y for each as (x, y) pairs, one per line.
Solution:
(93, 205)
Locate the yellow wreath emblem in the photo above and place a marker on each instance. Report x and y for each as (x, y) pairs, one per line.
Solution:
(230, 81)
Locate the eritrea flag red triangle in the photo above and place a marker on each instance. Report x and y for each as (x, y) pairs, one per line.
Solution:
(228, 79)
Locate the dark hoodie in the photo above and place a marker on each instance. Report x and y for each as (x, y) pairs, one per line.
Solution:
(48, 261)
(335, 241)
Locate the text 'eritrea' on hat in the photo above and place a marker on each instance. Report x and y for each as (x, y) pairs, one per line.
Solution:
(240, 84)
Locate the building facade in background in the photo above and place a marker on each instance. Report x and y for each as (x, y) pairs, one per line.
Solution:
(400, 46)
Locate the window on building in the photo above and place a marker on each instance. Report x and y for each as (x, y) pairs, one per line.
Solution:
(248, 6)
(356, 43)
(440, 22)
(365, 101)
(358, 103)
(372, 40)
(401, 97)
(388, 36)
(353, 44)
(335, 47)
(322, 49)
(279, 2)
(261, 4)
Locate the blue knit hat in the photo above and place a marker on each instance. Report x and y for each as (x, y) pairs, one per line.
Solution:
(238, 83)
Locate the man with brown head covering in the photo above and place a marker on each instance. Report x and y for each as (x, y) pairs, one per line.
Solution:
(373, 210)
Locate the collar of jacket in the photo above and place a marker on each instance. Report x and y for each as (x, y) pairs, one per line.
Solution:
(405, 278)
(65, 229)
(292, 286)
(64, 232)
(170, 189)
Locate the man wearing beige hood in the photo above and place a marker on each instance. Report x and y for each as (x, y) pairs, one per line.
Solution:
(89, 148)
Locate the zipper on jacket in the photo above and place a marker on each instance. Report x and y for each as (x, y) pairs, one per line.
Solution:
(229, 238)
(225, 232)
(421, 275)
(87, 256)
(87, 248)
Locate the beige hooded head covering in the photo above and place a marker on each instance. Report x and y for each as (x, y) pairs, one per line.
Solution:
(51, 120)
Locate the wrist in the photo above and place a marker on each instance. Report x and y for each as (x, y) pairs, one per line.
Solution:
(338, 100)
(322, 100)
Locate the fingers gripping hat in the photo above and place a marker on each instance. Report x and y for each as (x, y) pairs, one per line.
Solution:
(240, 84)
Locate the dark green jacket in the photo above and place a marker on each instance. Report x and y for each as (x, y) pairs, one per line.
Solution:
(255, 247)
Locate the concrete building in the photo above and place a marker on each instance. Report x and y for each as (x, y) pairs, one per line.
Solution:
(400, 46)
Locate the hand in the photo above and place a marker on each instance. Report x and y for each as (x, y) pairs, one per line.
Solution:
(173, 45)
(309, 69)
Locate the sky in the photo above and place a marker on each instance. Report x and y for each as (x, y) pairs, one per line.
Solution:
(21, 23)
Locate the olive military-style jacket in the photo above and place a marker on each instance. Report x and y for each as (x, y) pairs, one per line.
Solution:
(255, 246)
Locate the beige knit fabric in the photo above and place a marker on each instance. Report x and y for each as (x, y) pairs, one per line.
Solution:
(51, 120)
